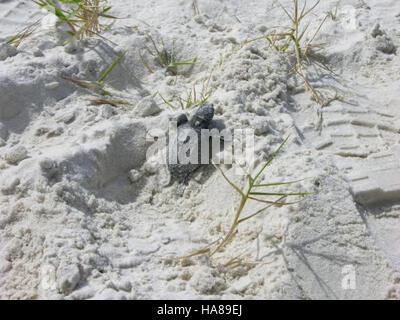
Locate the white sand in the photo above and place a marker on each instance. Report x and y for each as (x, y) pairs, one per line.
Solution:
(72, 223)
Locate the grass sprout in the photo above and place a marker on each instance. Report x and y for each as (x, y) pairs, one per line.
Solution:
(251, 193)
(111, 67)
(165, 58)
(98, 86)
(81, 16)
(191, 99)
(95, 86)
(292, 40)
(333, 13)
(302, 48)
(195, 8)
(18, 38)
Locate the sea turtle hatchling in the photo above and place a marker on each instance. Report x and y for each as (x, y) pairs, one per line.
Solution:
(183, 142)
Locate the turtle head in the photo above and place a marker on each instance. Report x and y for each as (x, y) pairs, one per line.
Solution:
(203, 116)
(182, 119)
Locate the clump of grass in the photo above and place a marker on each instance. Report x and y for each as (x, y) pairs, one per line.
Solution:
(191, 98)
(251, 193)
(292, 40)
(195, 8)
(81, 16)
(304, 49)
(98, 86)
(18, 38)
(333, 13)
(363, 5)
(166, 58)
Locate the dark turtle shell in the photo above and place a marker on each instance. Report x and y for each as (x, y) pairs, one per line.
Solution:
(187, 140)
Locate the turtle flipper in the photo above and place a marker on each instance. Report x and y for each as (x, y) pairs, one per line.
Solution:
(168, 181)
(180, 189)
(183, 182)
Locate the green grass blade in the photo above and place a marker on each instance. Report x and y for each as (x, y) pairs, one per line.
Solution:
(277, 203)
(234, 186)
(279, 194)
(110, 68)
(182, 63)
(270, 160)
(168, 103)
(276, 184)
